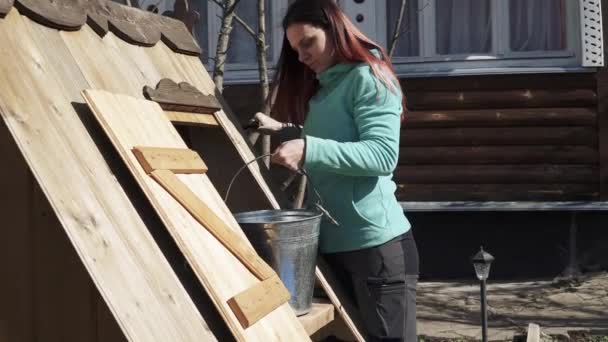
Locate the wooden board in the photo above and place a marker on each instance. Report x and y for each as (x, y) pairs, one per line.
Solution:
(540, 135)
(502, 117)
(191, 119)
(498, 155)
(159, 62)
(188, 67)
(321, 313)
(418, 100)
(40, 84)
(221, 273)
(176, 160)
(497, 192)
(496, 174)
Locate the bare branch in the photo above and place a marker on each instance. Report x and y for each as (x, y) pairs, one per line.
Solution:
(245, 26)
(397, 28)
(407, 29)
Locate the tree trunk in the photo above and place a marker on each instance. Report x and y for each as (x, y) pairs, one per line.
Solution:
(228, 7)
(263, 72)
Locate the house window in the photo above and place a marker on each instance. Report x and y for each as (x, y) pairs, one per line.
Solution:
(480, 36)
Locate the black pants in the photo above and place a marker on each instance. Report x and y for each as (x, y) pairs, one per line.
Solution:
(382, 281)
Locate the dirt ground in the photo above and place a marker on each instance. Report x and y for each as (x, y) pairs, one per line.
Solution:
(566, 310)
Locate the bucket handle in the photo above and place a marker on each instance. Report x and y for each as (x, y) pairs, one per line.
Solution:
(318, 203)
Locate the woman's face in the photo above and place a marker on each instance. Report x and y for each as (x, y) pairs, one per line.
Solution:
(313, 46)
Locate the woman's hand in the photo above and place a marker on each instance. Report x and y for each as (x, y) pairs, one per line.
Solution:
(289, 154)
(267, 125)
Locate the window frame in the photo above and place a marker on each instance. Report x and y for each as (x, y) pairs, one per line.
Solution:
(501, 60)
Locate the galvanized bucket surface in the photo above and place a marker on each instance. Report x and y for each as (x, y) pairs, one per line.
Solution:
(288, 241)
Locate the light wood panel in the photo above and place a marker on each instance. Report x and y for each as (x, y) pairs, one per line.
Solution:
(159, 62)
(40, 84)
(176, 160)
(192, 119)
(321, 313)
(132, 122)
(331, 287)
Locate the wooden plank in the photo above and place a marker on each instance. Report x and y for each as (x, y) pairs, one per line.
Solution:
(192, 119)
(321, 313)
(496, 174)
(256, 302)
(183, 97)
(105, 228)
(584, 80)
(235, 243)
(176, 160)
(222, 275)
(496, 192)
(499, 136)
(502, 117)
(533, 333)
(188, 67)
(498, 155)
(419, 100)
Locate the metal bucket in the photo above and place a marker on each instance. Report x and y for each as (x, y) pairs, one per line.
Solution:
(288, 241)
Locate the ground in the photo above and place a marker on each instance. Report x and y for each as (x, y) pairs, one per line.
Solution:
(566, 310)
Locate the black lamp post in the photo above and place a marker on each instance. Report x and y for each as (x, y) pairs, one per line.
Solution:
(482, 262)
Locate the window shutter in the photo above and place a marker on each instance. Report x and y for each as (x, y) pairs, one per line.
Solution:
(591, 33)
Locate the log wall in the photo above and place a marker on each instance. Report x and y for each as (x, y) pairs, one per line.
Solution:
(501, 138)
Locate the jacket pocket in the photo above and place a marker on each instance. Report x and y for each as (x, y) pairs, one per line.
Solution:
(368, 202)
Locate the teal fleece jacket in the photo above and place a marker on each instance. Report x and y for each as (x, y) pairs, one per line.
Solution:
(352, 146)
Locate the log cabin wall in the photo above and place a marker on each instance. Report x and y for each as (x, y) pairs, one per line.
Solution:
(500, 138)
(493, 137)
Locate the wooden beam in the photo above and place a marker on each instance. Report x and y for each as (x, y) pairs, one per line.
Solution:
(256, 302)
(501, 117)
(496, 174)
(192, 119)
(419, 100)
(533, 333)
(177, 160)
(498, 155)
(321, 314)
(584, 80)
(497, 192)
(213, 223)
(499, 136)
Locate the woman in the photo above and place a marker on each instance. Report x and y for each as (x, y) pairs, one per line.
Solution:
(341, 86)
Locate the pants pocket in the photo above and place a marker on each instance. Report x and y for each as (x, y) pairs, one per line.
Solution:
(382, 303)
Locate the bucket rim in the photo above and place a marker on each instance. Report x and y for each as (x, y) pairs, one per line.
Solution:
(311, 214)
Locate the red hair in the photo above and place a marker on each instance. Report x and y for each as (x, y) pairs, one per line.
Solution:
(294, 83)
